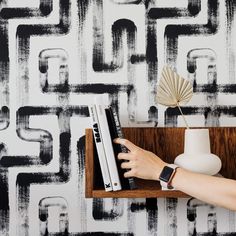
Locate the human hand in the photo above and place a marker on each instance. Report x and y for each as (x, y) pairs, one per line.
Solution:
(141, 163)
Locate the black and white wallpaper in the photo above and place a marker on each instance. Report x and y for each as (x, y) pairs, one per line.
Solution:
(55, 55)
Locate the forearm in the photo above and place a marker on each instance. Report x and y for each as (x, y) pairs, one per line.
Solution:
(146, 165)
(214, 190)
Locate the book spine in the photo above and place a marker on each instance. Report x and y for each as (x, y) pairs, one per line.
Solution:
(119, 133)
(100, 148)
(106, 137)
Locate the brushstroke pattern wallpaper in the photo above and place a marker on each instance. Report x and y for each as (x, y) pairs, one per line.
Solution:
(55, 55)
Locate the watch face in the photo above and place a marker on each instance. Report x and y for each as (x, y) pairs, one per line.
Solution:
(166, 173)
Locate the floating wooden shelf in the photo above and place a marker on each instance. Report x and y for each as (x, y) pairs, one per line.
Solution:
(166, 143)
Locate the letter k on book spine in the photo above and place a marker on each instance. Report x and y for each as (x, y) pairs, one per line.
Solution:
(106, 138)
(100, 148)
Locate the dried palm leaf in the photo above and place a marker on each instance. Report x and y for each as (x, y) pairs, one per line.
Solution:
(173, 90)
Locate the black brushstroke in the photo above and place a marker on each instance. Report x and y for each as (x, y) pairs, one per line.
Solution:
(4, 53)
(151, 50)
(102, 88)
(151, 208)
(151, 56)
(127, 234)
(192, 10)
(83, 6)
(90, 88)
(4, 117)
(230, 22)
(24, 180)
(3, 148)
(213, 88)
(211, 85)
(149, 205)
(44, 9)
(172, 32)
(114, 99)
(24, 132)
(225, 87)
(59, 202)
(137, 58)
(99, 233)
(212, 223)
(4, 200)
(208, 88)
(81, 156)
(118, 29)
(153, 115)
(24, 32)
(207, 53)
(63, 86)
(192, 206)
(129, 2)
(55, 110)
(99, 212)
(171, 114)
(136, 207)
(171, 205)
(4, 203)
(151, 59)
(230, 14)
(4, 70)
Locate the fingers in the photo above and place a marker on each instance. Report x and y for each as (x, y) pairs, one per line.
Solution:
(129, 158)
(128, 174)
(124, 156)
(126, 165)
(127, 143)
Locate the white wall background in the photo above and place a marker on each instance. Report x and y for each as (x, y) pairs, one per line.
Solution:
(65, 201)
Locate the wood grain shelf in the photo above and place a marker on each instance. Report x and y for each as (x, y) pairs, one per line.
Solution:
(166, 143)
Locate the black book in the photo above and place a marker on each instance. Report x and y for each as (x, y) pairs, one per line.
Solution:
(116, 132)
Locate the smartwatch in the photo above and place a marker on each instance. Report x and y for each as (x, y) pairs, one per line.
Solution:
(166, 175)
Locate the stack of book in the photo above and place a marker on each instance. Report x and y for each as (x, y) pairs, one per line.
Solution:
(106, 127)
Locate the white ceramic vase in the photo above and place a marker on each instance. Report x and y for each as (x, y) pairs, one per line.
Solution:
(197, 156)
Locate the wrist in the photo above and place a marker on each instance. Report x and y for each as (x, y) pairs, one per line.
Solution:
(158, 170)
(179, 178)
(166, 176)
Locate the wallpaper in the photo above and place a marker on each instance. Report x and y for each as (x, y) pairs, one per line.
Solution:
(55, 55)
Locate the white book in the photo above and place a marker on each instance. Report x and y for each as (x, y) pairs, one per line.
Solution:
(106, 137)
(100, 148)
